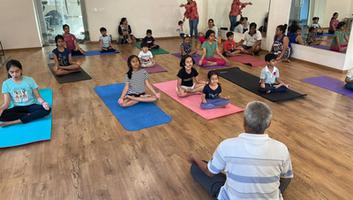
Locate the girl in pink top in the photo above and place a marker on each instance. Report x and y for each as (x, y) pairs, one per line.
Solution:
(193, 16)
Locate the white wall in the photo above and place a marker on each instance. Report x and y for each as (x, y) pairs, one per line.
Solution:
(161, 16)
(19, 25)
(343, 7)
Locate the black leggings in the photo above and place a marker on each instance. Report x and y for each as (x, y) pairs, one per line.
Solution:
(24, 113)
(272, 89)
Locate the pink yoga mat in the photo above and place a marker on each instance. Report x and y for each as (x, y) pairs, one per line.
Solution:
(197, 58)
(193, 102)
(249, 60)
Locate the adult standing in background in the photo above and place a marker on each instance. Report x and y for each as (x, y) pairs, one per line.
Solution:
(235, 10)
(193, 16)
(333, 23)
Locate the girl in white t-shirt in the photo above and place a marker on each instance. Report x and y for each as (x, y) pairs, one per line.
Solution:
(146, 56)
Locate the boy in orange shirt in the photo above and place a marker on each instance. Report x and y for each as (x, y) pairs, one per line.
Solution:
(230, 47)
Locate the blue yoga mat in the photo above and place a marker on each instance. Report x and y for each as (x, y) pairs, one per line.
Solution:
(20, 134)
(134, 118)
(98, 53)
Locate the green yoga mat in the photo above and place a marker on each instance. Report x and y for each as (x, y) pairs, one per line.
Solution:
(154, 51)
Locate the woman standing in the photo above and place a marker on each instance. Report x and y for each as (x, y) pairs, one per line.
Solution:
(193, 16)
(235, 10)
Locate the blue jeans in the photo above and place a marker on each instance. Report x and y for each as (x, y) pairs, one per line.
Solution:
(193, 27)
(349, 86)
(211, 184)
(233, 21)
(214, 103)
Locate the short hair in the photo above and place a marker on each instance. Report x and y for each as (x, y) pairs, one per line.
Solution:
(270, 57)
(253, 24)
(211, 20)
(149, 31)
(241, 19)
(180, 22)
(229, 33)
(208, 33)
(65, 25)
(257, 116)
(102, 29)
(211, 73)
(58, 37)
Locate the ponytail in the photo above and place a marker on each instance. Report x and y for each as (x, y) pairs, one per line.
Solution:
(129, 73)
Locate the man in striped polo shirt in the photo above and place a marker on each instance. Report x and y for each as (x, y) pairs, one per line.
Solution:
(255, 166)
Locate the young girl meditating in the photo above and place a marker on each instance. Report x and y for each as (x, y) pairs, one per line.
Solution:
(62, 58)
(22, 91)
(209, 51)
(269, 78)
(211, 94)
(188, 78)
(136, 80)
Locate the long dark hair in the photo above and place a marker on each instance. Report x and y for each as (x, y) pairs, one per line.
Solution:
(11, 63)
(282, 28)
(122, 20)
(335, 13)
(183, 59)
(129, 73)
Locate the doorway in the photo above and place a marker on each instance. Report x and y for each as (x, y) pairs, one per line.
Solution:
(53, 14)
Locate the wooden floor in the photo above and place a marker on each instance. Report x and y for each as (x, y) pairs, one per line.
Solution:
(90, 155)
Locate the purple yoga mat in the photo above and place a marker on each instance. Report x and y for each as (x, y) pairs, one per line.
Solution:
(197, 58)
(331, 84)
(155, 69)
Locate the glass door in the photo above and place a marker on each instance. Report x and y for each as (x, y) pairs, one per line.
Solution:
(53, 14)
